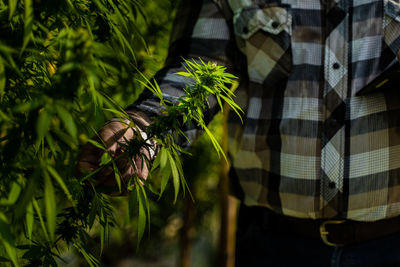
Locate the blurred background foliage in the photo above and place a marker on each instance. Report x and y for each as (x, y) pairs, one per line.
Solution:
(165, 243)
(66, 67)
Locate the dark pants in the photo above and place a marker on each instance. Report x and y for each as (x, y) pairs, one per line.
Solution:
(259, 246)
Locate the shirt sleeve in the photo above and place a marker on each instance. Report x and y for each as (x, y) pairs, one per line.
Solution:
(201, 29)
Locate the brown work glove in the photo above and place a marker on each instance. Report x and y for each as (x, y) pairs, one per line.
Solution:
(114, 133)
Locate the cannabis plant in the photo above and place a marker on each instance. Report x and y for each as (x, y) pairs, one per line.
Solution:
(60, 63)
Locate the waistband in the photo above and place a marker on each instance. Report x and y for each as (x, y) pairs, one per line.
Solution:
(332, 232)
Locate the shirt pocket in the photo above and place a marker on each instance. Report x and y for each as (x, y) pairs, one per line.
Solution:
(263, 34)
(391, 25)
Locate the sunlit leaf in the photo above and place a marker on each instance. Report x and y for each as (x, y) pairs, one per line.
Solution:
(105, 159)
(12, 4)
(215, 143)
(163, 157)
(96, 144)
(156, 163)
(29, 221)
(175, 175)
(117, 176)
(181, 73)
(116, 112)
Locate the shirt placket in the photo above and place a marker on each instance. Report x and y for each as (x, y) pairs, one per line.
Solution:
(334, 94)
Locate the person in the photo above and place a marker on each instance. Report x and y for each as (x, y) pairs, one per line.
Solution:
(315, 164)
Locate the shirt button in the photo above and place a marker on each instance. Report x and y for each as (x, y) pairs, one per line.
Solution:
(245, 30)
(333, 123)
(275, 24)
(332, 185)
(336, 66)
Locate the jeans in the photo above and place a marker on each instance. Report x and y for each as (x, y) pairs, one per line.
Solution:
(257, 246)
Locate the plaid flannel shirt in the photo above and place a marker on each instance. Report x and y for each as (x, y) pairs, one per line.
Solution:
(308, 147)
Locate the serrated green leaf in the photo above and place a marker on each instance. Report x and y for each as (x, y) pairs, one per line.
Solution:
(11, 252)
(50, 204)
(26, 195)
(156, 163)
(147, 203)
(193, 65)
(90, 259)
(117, 176)
(13, 195)
(116, 112)
(175, 175)
(232, 104)
(178, 164)
(102, 233)
(163, 157)
(39, 213)
(29, 105)
(28, 23)
(67, 120)
(105, 159)
(186, 74)
(68, 67)
(29, 221)
(12, 5)
(122, 19)
(2, 79)
(153, 87)
(43, 123)
(165, 174)
(60, 182)
(141, 215)
(5, 230)
(220, 103)
(96, 144)
(107, 231)
(214, 141)
(51, 144)
(67, 139)
(132, 205)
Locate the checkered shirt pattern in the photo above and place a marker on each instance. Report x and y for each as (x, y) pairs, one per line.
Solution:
(308, 147)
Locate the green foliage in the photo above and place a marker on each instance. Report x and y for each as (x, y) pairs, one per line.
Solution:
(59, 61)
(166, 129)
(63, 65)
